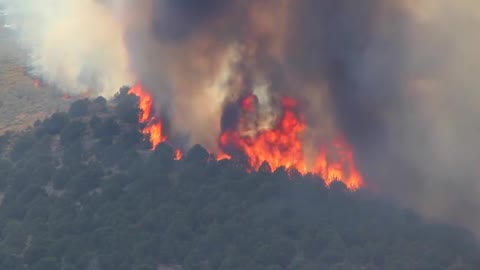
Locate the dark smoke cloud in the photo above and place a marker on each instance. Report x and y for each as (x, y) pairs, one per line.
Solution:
(333, 41)
(360, 50)
(176, 20)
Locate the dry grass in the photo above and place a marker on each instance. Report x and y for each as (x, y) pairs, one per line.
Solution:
(21, 103)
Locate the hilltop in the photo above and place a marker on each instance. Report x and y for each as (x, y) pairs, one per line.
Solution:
(81, 190)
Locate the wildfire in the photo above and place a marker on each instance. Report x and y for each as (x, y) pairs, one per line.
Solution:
(221, 156)
(154, 126)
(282, 146)
(178, 154)
(155, 130)
(338, 164)
(145, 103)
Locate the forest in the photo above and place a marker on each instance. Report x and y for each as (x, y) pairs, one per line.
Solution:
(82, 190)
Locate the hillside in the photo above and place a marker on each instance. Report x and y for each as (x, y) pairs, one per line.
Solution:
(81, 190)
(21, 102)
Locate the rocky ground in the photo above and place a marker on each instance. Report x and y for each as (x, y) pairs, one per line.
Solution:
(22, 102)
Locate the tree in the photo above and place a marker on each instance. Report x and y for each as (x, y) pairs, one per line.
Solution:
(79, 108)
(46, 263)
(95, 123)
(280, 252)
(110, 127)
(6, 170)
(100, 104)
(126, 108)
(15, 237)
(56, 122)
(130, 138)
(115, 204)
(87, 180)
(4, 139)
(197, 154)
(72, 132)
(22, 145)
(73, 154)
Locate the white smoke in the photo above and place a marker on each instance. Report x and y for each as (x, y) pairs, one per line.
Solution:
(76, 45)
(444, 65)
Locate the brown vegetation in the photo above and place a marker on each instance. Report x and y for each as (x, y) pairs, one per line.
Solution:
(21, 101)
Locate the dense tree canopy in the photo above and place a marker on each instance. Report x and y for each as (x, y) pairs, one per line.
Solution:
(81, 191)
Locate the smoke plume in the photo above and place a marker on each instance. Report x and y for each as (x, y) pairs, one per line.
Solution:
(75, 45)
(398, 78)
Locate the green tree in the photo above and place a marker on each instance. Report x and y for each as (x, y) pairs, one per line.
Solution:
(100, 104)
(115, 204)
(79, 108)
(72, 132)
(15, 237)
(46, 263)
(22, 145)
(126, 108)
(56, 123)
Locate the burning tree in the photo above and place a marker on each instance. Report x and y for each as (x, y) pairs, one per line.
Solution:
(280, 144)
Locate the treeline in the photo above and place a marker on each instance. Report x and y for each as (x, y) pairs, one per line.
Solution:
(81, 190)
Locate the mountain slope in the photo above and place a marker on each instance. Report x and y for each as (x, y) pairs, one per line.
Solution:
(21, 102)
(81, 190)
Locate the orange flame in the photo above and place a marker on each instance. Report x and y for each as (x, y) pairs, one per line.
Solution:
(221, 156)
(281, 146)
(153, 127)
(155, 130)
(338, 164)
(145, 103)
(178, 154)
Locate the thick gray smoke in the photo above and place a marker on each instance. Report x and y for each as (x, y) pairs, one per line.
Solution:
(397, 77)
